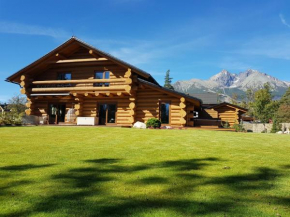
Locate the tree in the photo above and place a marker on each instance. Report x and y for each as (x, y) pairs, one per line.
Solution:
(17, 104)
(167, 81)
(283, 113)
(263, 107)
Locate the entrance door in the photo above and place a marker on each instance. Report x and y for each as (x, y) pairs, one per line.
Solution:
(107, 113)
(56, 113)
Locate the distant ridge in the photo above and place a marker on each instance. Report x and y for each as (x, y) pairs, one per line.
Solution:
(228, 83)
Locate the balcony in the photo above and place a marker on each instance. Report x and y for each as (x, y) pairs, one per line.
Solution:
(79, 86)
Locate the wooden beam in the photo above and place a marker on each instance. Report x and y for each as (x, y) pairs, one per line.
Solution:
(22, 91)
(127, 88)
(61, 56)
(132, 105)
(112, 80)
(22, 78)
(93, 54)
(80, 60)
(22, 83)
(128, 73)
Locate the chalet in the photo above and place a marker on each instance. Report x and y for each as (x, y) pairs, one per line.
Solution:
(78, 83)
(78, 80)
(213, 113)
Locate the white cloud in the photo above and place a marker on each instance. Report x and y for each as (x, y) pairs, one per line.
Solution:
(139, 52)
(283, 20)
(26, 29)
(274, 46)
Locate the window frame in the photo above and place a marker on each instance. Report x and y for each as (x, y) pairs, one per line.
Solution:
(103, 77)
(169, 108)
(59, 73)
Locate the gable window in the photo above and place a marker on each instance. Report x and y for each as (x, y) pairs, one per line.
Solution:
(164, 110)
(102, 75)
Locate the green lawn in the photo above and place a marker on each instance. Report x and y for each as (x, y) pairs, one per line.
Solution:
(90, 171)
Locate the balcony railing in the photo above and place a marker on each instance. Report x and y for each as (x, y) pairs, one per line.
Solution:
(118, 84)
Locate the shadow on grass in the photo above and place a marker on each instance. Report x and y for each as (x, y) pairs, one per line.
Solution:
(24, 167)
(260, 179)
(84, 191)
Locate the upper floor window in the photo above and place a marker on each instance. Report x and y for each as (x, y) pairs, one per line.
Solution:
(164, 109)
(102, 75)
(64, 76)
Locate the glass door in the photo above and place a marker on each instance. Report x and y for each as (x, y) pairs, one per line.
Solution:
(107, 113)
(56, 113)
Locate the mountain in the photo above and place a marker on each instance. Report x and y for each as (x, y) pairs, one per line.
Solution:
(228, 83)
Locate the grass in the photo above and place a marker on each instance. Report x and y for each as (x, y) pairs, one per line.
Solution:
(85, 171)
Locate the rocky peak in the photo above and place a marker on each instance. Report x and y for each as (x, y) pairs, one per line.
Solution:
(224, 78)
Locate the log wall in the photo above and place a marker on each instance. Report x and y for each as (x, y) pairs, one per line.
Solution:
(228, 114)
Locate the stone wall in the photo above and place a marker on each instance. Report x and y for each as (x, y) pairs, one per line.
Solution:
(259, 128)
(30, 120)
(285, 127)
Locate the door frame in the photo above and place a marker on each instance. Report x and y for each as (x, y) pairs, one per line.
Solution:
(57, 104)
(108, 103)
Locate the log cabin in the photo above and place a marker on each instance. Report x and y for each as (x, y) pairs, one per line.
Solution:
(77, 81)
(214, 113)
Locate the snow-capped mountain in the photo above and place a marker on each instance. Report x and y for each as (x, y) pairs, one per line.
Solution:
(229, 83)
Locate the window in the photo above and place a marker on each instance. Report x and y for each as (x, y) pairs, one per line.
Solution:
(64, 76)
(164, 108)
(102, 75)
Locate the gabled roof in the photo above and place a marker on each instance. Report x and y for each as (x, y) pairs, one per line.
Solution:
(172, 92)
(207, 98)
(86, 45)
(229, 105)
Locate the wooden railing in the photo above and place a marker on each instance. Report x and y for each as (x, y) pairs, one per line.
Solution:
(117, 84)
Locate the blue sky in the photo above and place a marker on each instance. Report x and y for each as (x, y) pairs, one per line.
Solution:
(192, 38)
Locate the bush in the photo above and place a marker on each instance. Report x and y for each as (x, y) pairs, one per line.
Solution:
(225, 124)
(1, 119)
(276, 126)
(9, 118)
(238, 128)
(153, 122)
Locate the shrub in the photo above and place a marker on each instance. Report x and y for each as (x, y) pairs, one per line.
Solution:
(153, 122)
(225, 124)
(1, 119)
(276, 126)
(238, 128)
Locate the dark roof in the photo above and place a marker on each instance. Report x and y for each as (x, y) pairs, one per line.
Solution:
(109, 56)
(172, 91)
(4, 107)
(207, 98)
(228, 104)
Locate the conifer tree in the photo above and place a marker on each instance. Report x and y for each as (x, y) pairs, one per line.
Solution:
(167, 81)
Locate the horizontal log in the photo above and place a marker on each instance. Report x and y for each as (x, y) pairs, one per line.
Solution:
(62, 89)
(116, 80)
(182, 105)
(128, 73)
(22, 90)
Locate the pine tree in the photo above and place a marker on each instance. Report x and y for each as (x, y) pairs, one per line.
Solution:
(167, 81)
